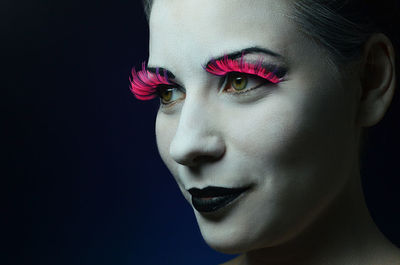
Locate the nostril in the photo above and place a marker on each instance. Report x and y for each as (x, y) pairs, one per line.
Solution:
(195, 159)
(203, 159)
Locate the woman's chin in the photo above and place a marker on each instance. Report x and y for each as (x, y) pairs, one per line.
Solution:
(227, 242)
(231, 247)
(228, 233)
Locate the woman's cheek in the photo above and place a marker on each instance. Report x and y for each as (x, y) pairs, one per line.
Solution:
(283, 132)
(263, 128)
(165, 131)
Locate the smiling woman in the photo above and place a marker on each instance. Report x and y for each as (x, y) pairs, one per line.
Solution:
(262, 108)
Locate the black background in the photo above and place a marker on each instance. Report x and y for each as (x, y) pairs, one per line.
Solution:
(83, 181)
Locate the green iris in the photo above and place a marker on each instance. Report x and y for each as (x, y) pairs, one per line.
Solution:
(238, 81)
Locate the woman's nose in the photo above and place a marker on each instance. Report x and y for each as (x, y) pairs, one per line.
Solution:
(197, 139)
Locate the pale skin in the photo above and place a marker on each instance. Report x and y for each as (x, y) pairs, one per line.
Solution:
(296, 142)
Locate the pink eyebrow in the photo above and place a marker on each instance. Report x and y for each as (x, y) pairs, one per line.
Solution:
(143, 84)
(225, 65)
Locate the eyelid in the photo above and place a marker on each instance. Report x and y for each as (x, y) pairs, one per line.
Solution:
(173, 85)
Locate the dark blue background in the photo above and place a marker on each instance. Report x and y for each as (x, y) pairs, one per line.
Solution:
(85, 184)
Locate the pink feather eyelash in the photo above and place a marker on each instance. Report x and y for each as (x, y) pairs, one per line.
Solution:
(224, 66)
(143, 84)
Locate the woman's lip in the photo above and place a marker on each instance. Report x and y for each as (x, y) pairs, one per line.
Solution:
(212, 191)
(211, 199)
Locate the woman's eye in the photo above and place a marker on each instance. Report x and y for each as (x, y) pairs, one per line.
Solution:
(240, 82)
(169, 95)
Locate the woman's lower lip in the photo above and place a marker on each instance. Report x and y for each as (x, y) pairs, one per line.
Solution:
(211, 204)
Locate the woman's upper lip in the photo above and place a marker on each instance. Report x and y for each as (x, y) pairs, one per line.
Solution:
(212, 191)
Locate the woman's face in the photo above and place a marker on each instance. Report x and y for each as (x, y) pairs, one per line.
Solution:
(291, 146)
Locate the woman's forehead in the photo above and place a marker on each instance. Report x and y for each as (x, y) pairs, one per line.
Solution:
(192, 30)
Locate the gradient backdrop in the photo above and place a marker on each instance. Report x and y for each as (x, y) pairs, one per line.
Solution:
(83, 181)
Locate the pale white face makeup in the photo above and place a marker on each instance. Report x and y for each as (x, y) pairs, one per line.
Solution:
(293, 143)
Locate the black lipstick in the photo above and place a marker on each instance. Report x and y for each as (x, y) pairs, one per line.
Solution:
(211, 199)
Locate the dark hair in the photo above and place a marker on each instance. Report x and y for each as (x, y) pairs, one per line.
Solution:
(343, 26)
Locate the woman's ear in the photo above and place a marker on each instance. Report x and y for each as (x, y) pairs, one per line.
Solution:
(378, 79)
